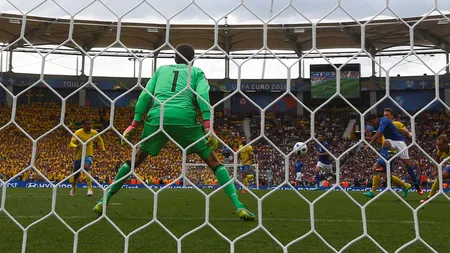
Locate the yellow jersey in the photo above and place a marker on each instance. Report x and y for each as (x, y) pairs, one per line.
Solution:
(443, 155)
(400, 127)
(246, 155)
(89, 146)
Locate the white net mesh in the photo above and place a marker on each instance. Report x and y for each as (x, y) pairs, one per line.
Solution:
(359, 29)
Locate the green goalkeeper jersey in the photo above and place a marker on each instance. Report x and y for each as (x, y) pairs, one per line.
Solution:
(168, 81)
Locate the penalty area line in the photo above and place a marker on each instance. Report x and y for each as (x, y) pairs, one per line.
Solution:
(232, 219)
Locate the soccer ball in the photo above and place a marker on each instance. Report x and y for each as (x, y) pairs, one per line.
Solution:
(300, 148)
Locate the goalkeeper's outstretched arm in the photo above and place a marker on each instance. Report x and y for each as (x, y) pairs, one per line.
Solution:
(203, 92)
(145, 98)
(141, 107)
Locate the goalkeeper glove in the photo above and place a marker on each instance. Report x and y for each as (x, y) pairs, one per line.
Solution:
(212, 142)
(129, 132)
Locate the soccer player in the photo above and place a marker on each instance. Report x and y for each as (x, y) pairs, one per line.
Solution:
(324, 165)
(85, 134)
(180, 122)
(443, 152)
(269, 174)
(389, 113)
(394, 141)
(246, 156)
(298, 165)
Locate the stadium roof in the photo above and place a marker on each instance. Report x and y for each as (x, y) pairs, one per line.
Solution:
(432, 31)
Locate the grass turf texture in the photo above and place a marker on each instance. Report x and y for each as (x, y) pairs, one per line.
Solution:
(285, 215)
(324, 90)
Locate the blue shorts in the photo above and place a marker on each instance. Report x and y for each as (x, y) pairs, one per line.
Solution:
(245, 168)
(87, 160)
(447, 170)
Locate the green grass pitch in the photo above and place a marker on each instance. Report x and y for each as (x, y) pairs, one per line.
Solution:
(349, 88)
(285, 215)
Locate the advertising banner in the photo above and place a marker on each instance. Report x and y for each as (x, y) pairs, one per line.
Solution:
(21, 184)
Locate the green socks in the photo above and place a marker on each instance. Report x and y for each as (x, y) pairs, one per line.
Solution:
(221, 173)
(224, 177)
(124, 170)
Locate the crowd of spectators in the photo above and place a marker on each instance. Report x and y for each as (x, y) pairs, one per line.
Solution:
(53, 158)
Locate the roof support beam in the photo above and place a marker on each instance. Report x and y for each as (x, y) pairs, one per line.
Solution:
(31, 35)
(438, 43)
(155, 59)
(10, 66)
(9, 33)
(227, 48)
(297, 47)
(292, 40)
(87, 46)
(157, 44)
(355, 36)
(83, 62)
(447, 60)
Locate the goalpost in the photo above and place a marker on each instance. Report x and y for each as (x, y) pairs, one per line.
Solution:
(358, 29)
(239, 174)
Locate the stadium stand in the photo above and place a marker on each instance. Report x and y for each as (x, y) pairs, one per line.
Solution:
(54, 158)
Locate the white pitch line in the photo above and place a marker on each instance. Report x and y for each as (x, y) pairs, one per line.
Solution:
(25, 195)
(233, 219)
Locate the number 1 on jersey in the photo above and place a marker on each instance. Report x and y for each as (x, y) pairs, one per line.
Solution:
(175, 79)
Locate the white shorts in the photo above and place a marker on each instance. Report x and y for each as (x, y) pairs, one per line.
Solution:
(400, 146)
(298, 176)
(328, 168)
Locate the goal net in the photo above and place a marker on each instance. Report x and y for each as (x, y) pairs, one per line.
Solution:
(354, 66)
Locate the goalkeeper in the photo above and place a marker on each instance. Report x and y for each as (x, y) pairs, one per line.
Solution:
(180, 122)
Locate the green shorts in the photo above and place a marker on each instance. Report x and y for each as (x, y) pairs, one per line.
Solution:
(183, 135)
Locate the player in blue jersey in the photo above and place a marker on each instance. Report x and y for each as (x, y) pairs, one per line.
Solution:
(324, 166)
(394, 140)
(389, 113)
(298, 165)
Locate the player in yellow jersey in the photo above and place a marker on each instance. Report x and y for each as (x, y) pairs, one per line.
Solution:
(246, 156)
(84, 134)
(443, 152)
